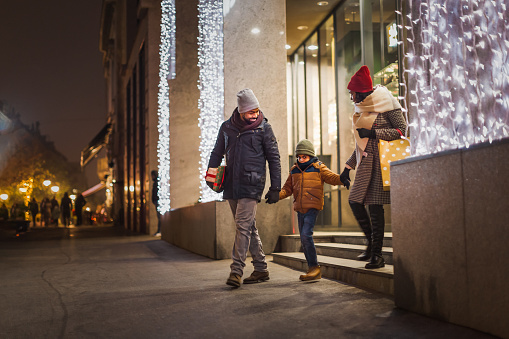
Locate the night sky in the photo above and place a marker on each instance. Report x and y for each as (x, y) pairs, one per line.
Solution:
(51, 69)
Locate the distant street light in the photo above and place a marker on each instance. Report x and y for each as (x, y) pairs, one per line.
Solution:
(46, 182)
(4, 196)
(72, 196)
(55, 189)
(23, 189)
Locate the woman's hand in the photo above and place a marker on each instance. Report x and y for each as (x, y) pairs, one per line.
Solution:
(366, 133)
(345, 178)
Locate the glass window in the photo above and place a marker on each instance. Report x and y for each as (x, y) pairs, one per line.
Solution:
(349, 60)
(328, 93)
(300, 81)
(313, 93)
(291, 96)
(385, 47)
(330, 216)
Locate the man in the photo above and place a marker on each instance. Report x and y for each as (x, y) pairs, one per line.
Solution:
(155, 200)
(65, 208)
(33, 206)
(248, 141)
(78, 205)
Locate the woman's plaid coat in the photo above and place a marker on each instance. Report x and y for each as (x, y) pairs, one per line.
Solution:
(367, 187)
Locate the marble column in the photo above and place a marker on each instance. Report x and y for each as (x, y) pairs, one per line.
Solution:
(255, 57)
(184, 113)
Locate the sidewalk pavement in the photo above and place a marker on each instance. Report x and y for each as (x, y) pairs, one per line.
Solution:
(100, 282)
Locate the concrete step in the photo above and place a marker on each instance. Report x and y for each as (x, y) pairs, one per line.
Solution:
(291, 243)
(348, 271)
(349, 251)
(358, 238)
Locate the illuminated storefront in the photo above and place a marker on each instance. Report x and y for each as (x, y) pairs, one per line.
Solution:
(353, 34)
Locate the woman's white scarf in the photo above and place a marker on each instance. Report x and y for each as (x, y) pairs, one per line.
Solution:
(381, 100)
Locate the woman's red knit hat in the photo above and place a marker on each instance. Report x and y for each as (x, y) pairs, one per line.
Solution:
(361, 81)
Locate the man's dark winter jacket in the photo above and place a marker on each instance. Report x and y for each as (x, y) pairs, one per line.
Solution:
(246, 154)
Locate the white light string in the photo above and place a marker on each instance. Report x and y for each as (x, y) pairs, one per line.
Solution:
(166, 71)
(457, 69)
(210, 84)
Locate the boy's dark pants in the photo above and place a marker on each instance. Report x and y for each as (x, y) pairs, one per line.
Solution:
(306, 224)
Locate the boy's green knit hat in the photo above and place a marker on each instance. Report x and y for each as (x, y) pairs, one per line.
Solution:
(305, 147)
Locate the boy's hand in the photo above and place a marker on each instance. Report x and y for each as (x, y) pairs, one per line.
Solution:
(345, 178)
(272, 196)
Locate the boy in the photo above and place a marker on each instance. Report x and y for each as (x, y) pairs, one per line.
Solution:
(305, 182)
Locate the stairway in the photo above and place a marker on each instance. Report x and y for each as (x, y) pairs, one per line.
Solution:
(337, 252)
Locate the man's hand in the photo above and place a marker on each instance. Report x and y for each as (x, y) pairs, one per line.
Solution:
(272, 196)
(366, 133)
(210, 177)
(345, 178)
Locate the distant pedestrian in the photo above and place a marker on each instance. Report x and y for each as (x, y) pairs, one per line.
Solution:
(55, 214)
(377, 116)
(305, 182)
(78, 206)
(33, 206)
(46, 211)
(55, 211)
(4, 212)
(155, 200)
(18, 211)
(248, 142)
(65, 208)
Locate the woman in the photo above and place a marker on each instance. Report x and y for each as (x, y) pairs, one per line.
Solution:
(377, 116)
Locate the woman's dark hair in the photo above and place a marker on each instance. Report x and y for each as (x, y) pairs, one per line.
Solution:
(359, 97)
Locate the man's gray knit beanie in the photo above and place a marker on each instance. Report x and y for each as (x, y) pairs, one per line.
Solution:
(246, 100)
(305, 147)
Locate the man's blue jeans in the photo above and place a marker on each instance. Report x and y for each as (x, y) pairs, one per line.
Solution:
(306, 224)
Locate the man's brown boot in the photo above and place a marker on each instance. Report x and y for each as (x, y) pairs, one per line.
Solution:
(257, 277)
(233, 280)
(314, 273)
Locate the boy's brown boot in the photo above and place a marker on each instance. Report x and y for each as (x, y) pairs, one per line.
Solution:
(314, 273)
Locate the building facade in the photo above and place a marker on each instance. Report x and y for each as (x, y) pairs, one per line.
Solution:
(129, 40)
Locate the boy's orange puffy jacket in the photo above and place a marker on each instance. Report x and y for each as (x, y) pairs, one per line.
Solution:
(307, 186)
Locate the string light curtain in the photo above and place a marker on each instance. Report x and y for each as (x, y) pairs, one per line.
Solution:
(166, 72)
(210, 84)
(457, 66)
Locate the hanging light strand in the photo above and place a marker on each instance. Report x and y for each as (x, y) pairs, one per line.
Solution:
(210, 84)
(457, 74)
(166, 72)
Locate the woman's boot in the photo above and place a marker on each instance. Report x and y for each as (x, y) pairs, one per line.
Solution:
(360, 213)
(378, 225)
